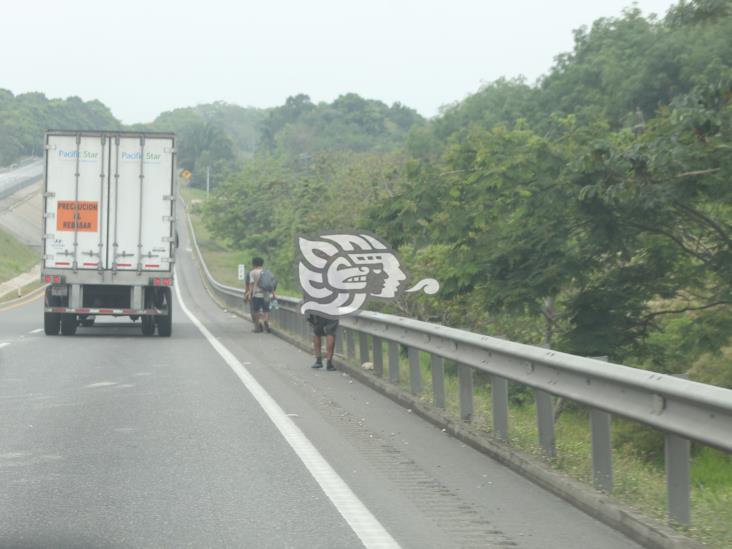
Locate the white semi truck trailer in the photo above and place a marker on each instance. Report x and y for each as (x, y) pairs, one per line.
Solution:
(109, 234)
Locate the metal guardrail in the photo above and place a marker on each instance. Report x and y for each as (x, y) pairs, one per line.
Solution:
(683, 410)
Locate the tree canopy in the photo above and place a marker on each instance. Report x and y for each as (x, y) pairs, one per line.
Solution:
(24, 118)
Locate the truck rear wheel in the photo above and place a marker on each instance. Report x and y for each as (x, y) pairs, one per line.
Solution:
(68, 324)
(165, 322)
(148, 325)
(51, 323)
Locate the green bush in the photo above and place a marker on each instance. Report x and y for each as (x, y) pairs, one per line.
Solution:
(714, 368)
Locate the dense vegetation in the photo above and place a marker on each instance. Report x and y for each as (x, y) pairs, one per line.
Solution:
(15, 258)
(24, 118)
(589, 211)
(217, 137)
(353, 123)
(223, 137)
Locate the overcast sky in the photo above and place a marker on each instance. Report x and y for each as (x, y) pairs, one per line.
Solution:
(142, 57)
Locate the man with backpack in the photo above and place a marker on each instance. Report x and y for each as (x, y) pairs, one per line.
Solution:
(260, 290)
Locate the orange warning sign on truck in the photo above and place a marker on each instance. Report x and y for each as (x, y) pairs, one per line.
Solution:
(81, 216)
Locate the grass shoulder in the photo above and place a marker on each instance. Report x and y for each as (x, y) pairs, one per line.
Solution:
(15, 257)
(24, 291)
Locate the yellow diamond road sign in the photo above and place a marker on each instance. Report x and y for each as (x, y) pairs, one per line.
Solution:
(185, 174)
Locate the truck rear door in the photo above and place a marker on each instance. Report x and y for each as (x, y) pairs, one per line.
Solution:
(141, 206)
(76, 202)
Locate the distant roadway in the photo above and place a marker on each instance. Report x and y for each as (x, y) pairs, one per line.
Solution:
(20, 211)
(27, 172)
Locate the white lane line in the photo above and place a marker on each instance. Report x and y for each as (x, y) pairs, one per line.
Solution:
(36, 331)
(4, 345)
(100, 384)
(366, 526)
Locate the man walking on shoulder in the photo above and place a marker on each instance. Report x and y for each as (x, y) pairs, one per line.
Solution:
(260, 291)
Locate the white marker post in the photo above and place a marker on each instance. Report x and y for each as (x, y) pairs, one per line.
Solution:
(242, 272)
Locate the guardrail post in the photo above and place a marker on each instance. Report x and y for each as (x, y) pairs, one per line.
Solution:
(438, 381)
(363, 347)
(304, 328)
(307, 329)
(678, 490)
(393, 362)
(415, 373)
(545, 422)
(499, 406)
(289, 321)
(350, 344)
(378, 357)
(339, 341)
(602, 467)
(465, 379)
(296, 324)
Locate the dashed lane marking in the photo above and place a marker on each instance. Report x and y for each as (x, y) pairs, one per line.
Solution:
(4, 345)
(36, 331)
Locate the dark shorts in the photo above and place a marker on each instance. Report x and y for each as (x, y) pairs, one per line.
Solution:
(260, 305)
(323, 326)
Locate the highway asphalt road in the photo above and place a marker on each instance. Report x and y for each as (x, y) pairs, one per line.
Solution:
(21, 202)
(111, 439)
(21, 214)
(29, 171)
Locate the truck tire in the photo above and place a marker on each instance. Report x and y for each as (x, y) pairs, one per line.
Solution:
(148, 325)
(68, 324)
(165, 322)
(51, 323)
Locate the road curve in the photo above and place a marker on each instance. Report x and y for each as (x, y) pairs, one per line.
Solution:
(110, 439)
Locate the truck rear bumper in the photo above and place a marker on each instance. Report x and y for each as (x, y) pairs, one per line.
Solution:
(105, 311)
(108, 278)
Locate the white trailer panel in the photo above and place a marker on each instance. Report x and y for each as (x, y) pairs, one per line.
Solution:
(76, 197)
(141, 213)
